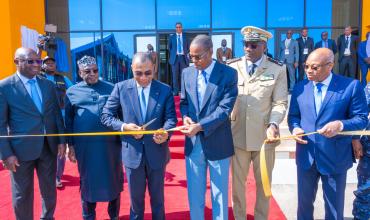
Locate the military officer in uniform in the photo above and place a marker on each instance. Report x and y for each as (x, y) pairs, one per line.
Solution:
(259, 109)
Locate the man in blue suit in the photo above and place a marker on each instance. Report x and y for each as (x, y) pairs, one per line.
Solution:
(137, 101)
(289, 55)
(178, 47)
(29, 105)
(327, 103)
(364, 58)
(208, 93)
(326, 43)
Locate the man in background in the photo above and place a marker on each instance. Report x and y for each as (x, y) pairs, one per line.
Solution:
(224, 53)
(306, 46)
(364, 58)
(289, 55)
(178, 46)
(325, 42)
(347, 50)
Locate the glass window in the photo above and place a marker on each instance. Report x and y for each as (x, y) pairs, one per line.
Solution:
(232, 13)
(315, 15)
(271, 44)
(125, 14)
(285, 13)
(192, 14)
(84, 44)
(84, 15)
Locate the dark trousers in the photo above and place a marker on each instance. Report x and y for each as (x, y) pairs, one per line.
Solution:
(88, 209)
(177, 68)
(22, 185)
(301, 71)
(347, 67)
(333, 189)
(137, 179)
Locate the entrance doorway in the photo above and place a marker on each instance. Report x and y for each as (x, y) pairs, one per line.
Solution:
(280, 35)
(164, 71)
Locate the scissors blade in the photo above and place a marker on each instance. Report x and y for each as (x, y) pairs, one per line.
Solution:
(148, 123)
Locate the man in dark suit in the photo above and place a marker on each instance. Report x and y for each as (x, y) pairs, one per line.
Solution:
(364, 58)
(208, 93)
(178, 47)
(137, 101)
(326, 43)
(306, 46)
(224, 53)
(347, 49)
(339, 105)
(29, 105)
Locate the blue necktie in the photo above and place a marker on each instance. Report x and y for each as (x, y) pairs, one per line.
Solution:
(179, 46)
(318, 98)
(35, 95)
(204, 73)
(143, 104)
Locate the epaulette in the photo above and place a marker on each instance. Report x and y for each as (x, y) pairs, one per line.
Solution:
(275, 61)
(233, 60)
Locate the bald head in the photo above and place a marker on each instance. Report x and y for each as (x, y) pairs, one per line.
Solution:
(23, 53)
(141, 57)
(319, 64)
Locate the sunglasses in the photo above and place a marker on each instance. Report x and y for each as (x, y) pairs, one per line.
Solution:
(38, 61)
(146, 73)
(197, 57)
(253, 46)
(87, 71)
(314, 67)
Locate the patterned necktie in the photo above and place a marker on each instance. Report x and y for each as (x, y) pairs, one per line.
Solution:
(318, 98)
(251, 71)
(35, 95)
(179, 48)
(143, 104)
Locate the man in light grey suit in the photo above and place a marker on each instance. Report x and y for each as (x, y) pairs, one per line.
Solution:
(29, 105)
(289, 55)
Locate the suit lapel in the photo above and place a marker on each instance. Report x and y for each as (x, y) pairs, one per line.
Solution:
(311, 99)
(132, 94)
(152, 102)
(23, 91)
(44, 93)
(329, 94)
(212, 84)
(193, 82)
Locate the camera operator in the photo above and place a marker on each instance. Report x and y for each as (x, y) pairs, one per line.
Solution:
(62, 83)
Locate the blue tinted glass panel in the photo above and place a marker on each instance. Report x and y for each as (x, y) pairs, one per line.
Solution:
(318, 13)
(238, 13)
(128, 14)
(84, 15)
(271, 44)
(192, 13)
(285, 13)
(84, 44)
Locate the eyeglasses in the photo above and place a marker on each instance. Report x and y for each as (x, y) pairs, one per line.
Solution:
(315, 67)
(146, 73)
(30, 62)
(198, 57)
(87, 71)
(253, 46)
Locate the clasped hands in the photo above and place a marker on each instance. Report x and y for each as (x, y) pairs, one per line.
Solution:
(331, 129)
(158, 138)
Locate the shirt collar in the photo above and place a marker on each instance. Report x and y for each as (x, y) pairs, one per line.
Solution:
(23, 78)
(140, 87)
(326, 81)
(258, 62)
(209, 69)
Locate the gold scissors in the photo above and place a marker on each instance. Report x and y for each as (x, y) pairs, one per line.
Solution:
(148, 123)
